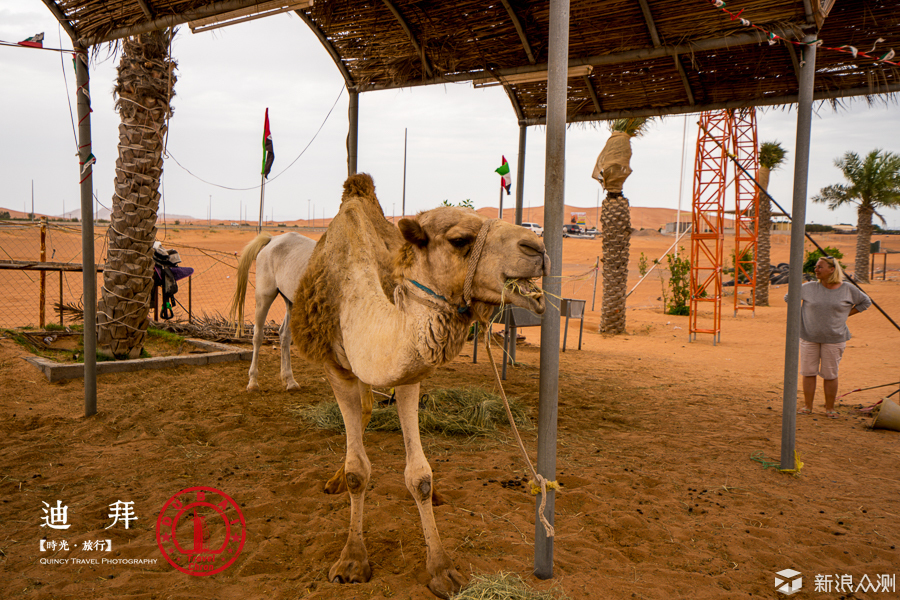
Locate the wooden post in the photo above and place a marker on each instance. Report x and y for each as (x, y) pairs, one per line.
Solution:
(43, 299)
(60, 297)
(190, 311)
(89, 275)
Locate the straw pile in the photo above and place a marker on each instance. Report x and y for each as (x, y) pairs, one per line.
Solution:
(470, 412)
(504, 586)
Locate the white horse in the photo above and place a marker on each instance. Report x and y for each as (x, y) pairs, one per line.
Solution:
(280, 263)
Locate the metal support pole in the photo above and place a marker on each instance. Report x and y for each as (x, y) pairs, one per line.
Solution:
(520, 194)
(500, 211)
(554, 194)
(520, 174)
(89, 271)
(353, 133)
(798, 228)
(403, 206)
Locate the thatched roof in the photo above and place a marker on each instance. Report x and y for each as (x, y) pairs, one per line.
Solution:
(638, 57)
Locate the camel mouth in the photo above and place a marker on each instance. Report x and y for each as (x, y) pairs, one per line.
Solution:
(524, 293)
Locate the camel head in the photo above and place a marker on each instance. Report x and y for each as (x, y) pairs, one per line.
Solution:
(441, 249)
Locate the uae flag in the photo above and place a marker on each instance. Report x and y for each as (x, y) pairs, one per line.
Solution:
(268, 151)
(35, 41)
(505, 178)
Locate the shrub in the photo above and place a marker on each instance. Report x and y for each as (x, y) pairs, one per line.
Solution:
(679, 284)
(810, 258)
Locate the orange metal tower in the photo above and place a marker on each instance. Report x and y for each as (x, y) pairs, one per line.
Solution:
(708, 221)
(746, 214)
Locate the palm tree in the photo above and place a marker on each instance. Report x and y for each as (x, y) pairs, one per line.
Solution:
(874, 184)
(143, 94)
(771, 155)
(611, 171)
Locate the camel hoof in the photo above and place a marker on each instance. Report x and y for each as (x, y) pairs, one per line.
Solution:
(446, 583)
(350, 571)
(293, 386)
(252, 387)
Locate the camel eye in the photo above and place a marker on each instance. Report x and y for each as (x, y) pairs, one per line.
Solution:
(460, 242)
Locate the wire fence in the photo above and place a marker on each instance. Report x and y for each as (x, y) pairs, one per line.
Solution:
(207, 293)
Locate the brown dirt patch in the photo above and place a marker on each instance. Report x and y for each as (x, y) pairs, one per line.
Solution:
(661, 496)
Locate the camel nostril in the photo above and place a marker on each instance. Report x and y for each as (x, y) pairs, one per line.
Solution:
(531, 247)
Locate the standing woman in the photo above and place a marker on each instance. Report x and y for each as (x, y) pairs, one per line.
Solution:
(825, 306)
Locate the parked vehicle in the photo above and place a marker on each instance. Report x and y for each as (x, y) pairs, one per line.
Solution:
(535, 228)
(572, 229)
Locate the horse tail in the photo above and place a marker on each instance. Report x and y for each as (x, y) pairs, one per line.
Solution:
(248, 255)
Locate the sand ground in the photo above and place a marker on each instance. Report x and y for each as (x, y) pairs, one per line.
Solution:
(659, 443)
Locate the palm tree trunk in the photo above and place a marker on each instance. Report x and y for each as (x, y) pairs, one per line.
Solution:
(143, 88)
(615, 223)
(763, 241)
(863, 240)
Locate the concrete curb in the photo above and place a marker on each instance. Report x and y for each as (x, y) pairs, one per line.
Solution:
(213, 352)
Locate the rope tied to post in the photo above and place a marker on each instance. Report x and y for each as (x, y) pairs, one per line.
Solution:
(539, 484)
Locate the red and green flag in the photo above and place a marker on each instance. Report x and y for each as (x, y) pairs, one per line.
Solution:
(505, 178)
(268, 150)
(35, 41)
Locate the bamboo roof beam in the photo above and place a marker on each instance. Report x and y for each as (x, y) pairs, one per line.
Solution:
(651, 25)
(517, 108)
(167, 21)
(654, 36)
(590, 87)
(892, 88)
(795, 61)
(685, 80)
(148, 10)
(329, 47)
(412, 38)
(520, 30)
(63, 20)
(731, 41)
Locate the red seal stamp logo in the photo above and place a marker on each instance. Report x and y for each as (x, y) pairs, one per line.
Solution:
(200, 531)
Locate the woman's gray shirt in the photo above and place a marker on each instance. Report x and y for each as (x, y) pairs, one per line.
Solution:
(824, 312)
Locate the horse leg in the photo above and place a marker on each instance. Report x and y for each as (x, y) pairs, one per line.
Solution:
(353, 565)
(445, 579)
(263, 303)
(337, 485)
(287, 374)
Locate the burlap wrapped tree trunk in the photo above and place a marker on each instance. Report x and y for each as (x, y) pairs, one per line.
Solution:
(863, 241)
(763, 242)
(143, 93)
(611, 170)
(615, 222)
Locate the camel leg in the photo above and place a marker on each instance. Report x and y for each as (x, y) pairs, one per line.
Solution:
(263, 303)
(337, 485)
(445, 579)
(287, 374)
(353, 565)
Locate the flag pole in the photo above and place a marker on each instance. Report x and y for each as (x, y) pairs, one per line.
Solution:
(500, 216)
(262, 195)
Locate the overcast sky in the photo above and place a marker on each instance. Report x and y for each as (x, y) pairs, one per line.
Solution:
(457, 134)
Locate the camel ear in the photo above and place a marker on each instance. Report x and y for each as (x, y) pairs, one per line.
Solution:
(413, 232)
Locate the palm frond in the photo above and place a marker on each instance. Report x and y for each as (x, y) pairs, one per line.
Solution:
(633, 126)
(771, 155)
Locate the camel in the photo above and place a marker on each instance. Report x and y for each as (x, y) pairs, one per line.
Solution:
(384, 306)
(280, 262)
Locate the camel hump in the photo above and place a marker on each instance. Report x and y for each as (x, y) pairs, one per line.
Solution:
(360, 184)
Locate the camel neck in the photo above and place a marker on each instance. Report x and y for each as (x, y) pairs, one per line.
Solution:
(461, 309)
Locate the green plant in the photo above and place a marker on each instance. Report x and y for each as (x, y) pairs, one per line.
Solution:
(642, 265)
(815, 228)
(746, 257)
(177, 222)
(679, 284)
(4, 215)
(810, 258)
